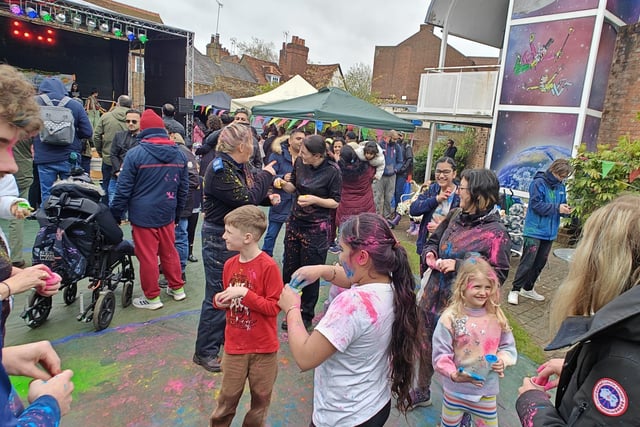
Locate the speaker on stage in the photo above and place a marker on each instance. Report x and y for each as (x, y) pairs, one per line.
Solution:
(185, 105)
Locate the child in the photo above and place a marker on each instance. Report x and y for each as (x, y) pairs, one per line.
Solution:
(371, 152)
(253, 284)
(472, 344)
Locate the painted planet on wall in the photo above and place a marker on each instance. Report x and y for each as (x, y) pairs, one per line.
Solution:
(521, 168)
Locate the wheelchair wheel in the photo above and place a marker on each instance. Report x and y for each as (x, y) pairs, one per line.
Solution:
(127, 294)
(69, 293)
(103, 312)
(38, 309)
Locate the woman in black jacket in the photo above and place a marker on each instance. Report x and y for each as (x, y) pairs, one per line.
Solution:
(597, 310)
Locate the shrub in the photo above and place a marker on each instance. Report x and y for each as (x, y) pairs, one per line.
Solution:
(590, 187)
(465, 145)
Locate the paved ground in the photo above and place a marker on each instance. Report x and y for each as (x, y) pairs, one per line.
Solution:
(112, 372)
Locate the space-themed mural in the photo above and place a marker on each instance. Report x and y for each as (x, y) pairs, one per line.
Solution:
(545, 69)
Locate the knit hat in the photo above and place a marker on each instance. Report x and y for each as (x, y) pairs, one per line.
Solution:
(150, 119)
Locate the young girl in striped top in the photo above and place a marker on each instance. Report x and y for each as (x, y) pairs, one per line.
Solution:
(472, 344)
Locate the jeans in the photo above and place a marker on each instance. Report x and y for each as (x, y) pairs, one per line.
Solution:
(270, 237)
(261, 370)
(113, 185)
(49, 173)
(534, 257)
(106, 178)
(212, 321)
(401, 180)
(182, 241)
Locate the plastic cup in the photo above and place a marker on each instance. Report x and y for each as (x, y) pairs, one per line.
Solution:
(491, 358)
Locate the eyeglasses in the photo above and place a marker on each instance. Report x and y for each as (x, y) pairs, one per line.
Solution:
(443, 172)
(135, 122)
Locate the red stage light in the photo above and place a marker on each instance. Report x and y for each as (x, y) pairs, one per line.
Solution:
(50, 32)
(16, 24)
(49, 40)
(16, 32)
(27, 35)
(40, 38)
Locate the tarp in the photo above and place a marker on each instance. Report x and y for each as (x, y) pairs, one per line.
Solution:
(217, 99)
(292, 88)
(331, 104)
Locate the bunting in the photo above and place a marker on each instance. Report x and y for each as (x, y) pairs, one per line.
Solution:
(606, 167)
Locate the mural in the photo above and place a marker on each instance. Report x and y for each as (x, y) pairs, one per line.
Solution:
(527, 8)
(546, 63)
(627, 10)
(603, 67)
(526, 142)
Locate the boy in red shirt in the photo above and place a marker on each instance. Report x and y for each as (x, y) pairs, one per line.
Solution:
(252, 286)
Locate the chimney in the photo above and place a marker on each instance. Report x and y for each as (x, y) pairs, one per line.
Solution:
(293, 57)
(214, 48)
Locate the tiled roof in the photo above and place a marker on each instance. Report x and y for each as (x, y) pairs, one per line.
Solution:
(125, 9)
(259, 68)
(320, 75)
(206, 70)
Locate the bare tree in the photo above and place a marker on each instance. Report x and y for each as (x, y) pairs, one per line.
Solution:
(358, 82)
(258, 48)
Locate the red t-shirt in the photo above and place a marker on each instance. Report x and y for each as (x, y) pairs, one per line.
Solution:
(252, 320)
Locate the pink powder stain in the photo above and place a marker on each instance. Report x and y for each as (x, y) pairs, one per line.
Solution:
(470, 284)
(369, 307)
(174, 386)
(490, 345)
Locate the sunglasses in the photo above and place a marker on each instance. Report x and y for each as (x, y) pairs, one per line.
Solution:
(135, 122)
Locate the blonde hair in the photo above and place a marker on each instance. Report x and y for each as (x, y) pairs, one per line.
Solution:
(232, 136)
(17, 103)
(248, 219)
(606, 262)
(472, 268)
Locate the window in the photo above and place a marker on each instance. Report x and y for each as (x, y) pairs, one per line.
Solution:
(272, 79)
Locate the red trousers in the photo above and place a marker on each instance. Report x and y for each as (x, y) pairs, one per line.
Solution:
(151, 243)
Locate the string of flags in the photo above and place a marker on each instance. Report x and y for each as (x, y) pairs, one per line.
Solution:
(608, 165)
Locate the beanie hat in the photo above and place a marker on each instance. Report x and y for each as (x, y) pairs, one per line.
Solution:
(150, 119)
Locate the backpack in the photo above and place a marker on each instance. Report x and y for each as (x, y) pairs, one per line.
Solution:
(59, 124)
(65, 251)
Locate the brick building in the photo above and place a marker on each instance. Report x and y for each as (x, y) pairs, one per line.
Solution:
(397, 69)
(622, 101)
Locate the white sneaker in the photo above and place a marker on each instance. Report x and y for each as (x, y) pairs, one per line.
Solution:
(142, 302)
(178, 295)
(531, 294)
(513, 298)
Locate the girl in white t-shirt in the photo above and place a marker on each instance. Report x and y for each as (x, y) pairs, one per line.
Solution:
(363, 353)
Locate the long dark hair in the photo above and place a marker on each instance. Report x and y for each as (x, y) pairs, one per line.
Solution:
(371, 232)
(350, 164)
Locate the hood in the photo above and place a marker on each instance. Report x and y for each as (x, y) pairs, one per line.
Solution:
(120, 113)
(617, 319)
(162, 152)
(547, 176)
(53, 87)
(276, 145)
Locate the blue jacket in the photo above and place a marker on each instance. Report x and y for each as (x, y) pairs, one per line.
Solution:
(425, 205)
(284, 165)
(393, 157)
(546, 194)
(45, 153)
(154, 182)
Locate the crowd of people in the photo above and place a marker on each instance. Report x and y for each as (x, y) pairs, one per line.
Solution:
(377, 345)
